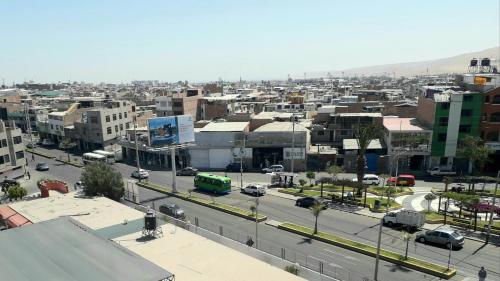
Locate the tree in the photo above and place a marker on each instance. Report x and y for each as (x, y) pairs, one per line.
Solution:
(302, 182)
(429, 197)
(310, 175)
(316, 209)
(334, 170)
(99, 179)
(253, 209)
(406, 237)
(67, 145)
(16, 192)
(364, 136)
(472, 148)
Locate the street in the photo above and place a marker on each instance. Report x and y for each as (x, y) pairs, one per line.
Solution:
(337, 261)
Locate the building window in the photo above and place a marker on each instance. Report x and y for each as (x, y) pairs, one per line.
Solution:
(121, 127)
(464, 129)
(177, 104)
(441, 137)
(18, 140)
(125, 114)
(466, 112)
(4, 143)
(108, 119)
(495, 117)
(443, 121)
(492, 136)
(496, 99)
(1, 160)
(51, 127)
(93, 120)
(116, 128)
(468, 98)
(6, 158)
(114, 117)
(320, 133)
(443, 161)
(127, 125)
(108, 130)
(487, 99)
(19, 155)
(120, 115)
(445, 105)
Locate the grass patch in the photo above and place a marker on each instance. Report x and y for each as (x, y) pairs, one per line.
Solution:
(382, 191)
(433, 216)
(247, 214)
(383, 202)
(417, 264)
(330, 187)
(305, 192)
(43, 154)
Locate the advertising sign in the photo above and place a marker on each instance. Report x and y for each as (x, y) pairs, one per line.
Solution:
(170, 130)
(300, 153)
(479, 80)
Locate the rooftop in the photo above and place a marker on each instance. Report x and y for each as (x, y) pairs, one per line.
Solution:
(225, 127)
(402, 124)
(281, 127)
(272, 115)
(352, 144)
(361, 114)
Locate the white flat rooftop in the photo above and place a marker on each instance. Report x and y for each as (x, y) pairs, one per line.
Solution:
(225, 127)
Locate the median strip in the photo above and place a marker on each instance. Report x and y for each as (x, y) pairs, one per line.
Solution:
(413, 263)
(204, 202)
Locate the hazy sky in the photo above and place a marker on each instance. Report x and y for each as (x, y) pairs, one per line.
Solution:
(115, 41)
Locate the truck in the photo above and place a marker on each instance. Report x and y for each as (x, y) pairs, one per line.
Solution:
(437, 171)
(408, 219)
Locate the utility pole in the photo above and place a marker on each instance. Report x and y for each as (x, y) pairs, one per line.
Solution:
(293, 143)
(174, 172)
(242, 150)
(256, 221)
(491, 209)
(375, 276)
(137, 148)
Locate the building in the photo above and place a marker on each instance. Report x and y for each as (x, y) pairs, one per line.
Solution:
(182, 103)
(100, 128)
(408, 144)
(451, 115)
(216, 107)
(12, 158)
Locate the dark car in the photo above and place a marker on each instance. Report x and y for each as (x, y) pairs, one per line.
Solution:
(188, 171)
(42, 167)
(308, 202)
(172, 210)
(235, 167)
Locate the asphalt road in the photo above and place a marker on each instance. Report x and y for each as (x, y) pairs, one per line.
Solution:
(345, 263)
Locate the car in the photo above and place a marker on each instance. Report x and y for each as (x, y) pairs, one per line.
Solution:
(442, 236)
(254, 189)
(140, 174)
(47, 142)
(308, 202)
(31, 145)
(78, 185)
(173, 210)
(235, 167)
(42, 167)
(187, 171)
(273, 168)
(403, 180)
(369, 179)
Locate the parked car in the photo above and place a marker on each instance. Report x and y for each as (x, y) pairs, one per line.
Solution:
(42, 167)
(187, 171)
(140, 174)
(273, 168)
(47, 142)
(235, 167)
(403, 180)
(442, 236)
(173, 210)
(308, 202)
(437, 171)
(78, 185)
(407, 218)
(31, 145)
(254, 189)
(369, 179)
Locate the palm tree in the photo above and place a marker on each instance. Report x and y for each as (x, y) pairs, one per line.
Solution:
(406, 237)
(67, 145)
(310, 175)
(316, 209)
(334, 170)
(472, 148)
(447, 181)
(429, 197)
(364, 136)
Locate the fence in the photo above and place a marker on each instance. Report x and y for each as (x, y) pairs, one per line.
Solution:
(310, 268)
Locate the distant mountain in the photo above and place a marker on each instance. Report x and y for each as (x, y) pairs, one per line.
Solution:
(455, 64)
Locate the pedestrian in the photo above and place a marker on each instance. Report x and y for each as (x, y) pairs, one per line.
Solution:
(32, 157)
(250, 242)
(29, 175)
(482, 274)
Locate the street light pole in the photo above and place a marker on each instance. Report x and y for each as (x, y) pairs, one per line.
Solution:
(241, 161)
(378, 249)
(174, 172)
(491, 209)
(256, 221)
(293, 144)
(137, 149)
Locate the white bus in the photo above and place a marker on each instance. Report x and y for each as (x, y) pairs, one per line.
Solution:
(110, 156)
(92, 157)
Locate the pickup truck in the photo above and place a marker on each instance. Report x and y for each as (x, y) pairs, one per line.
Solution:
(407, 218)
(436, 171)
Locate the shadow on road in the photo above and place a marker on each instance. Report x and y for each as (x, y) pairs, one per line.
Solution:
(305, 241)
(396, 267)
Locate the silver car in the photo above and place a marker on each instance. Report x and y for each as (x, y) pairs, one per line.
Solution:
(444, 236)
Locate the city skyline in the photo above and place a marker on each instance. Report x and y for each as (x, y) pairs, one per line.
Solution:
(119, 42)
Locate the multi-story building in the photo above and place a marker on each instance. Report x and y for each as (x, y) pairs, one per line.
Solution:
(12, 156)
(183, 103)
(101, 127)
(451, 115)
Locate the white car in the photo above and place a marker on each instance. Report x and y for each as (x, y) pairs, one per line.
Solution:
(141, 174)
(273, 168)
(254, 189)
(78, 185)
(369, 179)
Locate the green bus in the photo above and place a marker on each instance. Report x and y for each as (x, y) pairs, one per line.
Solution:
(212, 183)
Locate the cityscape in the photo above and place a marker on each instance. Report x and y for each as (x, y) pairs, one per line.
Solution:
(218, 141)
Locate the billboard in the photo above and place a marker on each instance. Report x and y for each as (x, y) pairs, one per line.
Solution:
(170, 130)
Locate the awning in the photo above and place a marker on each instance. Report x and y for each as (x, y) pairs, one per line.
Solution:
(6, 212)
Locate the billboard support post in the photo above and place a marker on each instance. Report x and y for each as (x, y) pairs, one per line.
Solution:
(174, 172)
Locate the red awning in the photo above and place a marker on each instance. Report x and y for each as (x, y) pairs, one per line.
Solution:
(16, 221)
(6, 212)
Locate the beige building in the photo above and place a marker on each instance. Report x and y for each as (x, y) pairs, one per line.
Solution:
(12, 158)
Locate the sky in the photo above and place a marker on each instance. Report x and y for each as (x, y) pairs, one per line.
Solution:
(120, 41)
